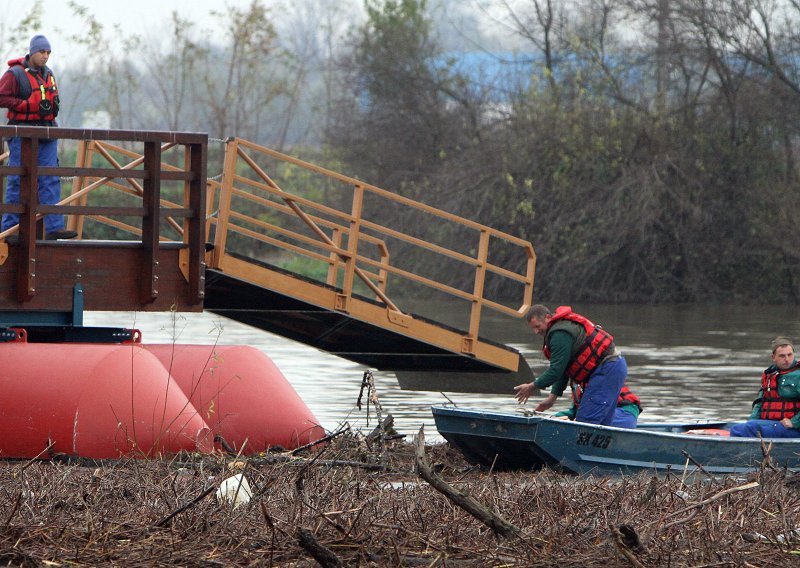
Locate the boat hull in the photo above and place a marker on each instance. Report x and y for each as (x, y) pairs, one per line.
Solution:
(531, 442)
(501, 441)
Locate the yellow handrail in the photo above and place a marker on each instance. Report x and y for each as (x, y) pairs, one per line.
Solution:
(340, 231)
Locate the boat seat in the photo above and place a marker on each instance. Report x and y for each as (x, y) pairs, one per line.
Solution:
(708, 432)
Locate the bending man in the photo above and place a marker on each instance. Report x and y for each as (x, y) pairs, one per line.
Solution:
(582, 355)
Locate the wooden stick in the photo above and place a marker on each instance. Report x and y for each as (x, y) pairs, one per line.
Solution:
(713, 498)
(699, 465)
(322, 440)
(181, 509)
(324, 556)
(491, 519)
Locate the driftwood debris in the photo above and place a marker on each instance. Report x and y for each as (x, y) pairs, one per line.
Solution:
(629, 545)
(498, 524)
(381, 430)
(92, 513)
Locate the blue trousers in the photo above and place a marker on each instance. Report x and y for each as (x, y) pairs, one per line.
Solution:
(49, 186)
(764, 428)
(623, 419)
(599, 401)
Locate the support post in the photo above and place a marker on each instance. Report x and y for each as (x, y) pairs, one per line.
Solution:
(29, 198)
(195, 226)
(151, 221)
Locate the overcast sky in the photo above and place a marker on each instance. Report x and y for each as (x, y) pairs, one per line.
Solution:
(135, 16)
(151, 19)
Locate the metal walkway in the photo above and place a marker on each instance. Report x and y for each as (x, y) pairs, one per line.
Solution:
(286, 246)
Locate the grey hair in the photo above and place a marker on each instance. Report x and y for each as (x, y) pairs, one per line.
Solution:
(781, 341)
(537, 311)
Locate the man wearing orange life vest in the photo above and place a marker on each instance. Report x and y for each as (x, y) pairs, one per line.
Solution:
(584, 356)
(776, 411)
(28, 90)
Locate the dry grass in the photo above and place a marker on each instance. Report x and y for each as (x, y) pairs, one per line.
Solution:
(62, 513)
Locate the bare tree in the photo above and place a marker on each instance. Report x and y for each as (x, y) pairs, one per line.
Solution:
(171, 74)
(244, 77)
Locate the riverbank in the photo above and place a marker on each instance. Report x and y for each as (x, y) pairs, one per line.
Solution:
(361, 503)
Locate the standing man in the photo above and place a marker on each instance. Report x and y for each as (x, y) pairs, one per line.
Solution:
(776, 411)
(582, 355)
(28, 90)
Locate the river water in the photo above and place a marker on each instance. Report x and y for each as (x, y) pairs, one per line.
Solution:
(685, 362)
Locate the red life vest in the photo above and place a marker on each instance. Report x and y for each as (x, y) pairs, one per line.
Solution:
(590, 353)
(626, 396)
(773, 407)
(39, 92)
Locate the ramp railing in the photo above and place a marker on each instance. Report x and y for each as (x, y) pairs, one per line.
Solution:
(282, 209)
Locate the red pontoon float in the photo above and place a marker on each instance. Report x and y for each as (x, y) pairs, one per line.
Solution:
(111, 400)
(241, 394)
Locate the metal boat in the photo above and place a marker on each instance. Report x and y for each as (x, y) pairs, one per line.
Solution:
(515, 441)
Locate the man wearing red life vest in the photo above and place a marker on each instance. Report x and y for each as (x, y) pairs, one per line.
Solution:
(28, 90)
(776, 411)
(584, 356)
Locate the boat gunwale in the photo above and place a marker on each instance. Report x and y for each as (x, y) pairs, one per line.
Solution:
(640, 430)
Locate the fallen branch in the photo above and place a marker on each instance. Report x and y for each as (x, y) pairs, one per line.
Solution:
(14, 509)
(699, 466)
(181, 509)
(324, 556)
(322, 440)
(50, 445)
(491, 519)
(713, 498)
(294, 460)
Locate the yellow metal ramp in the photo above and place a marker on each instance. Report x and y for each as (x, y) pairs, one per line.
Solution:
(312, 255)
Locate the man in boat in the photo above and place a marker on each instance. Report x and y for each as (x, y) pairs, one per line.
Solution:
(776, 411)
(28, 90)
(584, 356)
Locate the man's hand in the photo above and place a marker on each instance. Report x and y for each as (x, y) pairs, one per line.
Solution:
(546, 403)
(524, 392)
(787, 423)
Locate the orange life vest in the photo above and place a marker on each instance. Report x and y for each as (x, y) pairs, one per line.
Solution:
(39, 92)
(773, 407)
(596, 345)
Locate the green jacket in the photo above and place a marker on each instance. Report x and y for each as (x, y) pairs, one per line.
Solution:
(564, 339)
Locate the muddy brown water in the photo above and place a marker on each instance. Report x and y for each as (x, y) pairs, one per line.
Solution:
(685, 362)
